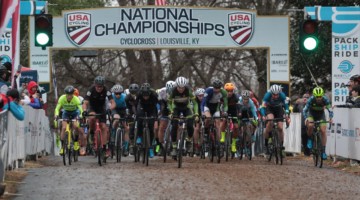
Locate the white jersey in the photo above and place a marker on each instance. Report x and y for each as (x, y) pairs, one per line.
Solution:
(162, 94)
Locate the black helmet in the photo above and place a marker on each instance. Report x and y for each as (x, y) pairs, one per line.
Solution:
(133, 88)
(69, 89)
(217, 83)
(147, 85)
(14, 93)
(3, 69)
(99, 80)
(145, 91)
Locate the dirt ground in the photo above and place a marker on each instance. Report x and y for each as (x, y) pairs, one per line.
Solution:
(48, 178)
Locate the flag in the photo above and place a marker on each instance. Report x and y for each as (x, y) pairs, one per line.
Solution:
(160, 2)
(6, 11)
(15, 38)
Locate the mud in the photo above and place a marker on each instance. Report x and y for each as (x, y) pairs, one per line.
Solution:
(297, 178)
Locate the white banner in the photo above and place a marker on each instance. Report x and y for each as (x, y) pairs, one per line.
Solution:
(347, 133)
(169, 27)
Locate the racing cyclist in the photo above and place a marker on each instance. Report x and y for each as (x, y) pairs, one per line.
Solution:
(210, 106)
(95, 102)
(71, 110)
(120, 112)
(314, 110)
(273, 106)
(199, 93)
(179, 102)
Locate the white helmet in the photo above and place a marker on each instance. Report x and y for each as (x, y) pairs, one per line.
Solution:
(170, 85)
(181, 81)
(245, 94)
(275, 89)
(117, 89)
(199, 91)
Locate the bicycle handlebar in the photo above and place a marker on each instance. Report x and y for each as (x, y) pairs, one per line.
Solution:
(321, 121)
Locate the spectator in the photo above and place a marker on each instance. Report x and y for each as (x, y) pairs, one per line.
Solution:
(10, 102)
(355, 96)
(34, 95)
(298, 107)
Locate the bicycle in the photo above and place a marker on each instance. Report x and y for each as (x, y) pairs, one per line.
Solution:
(181, 147)
(97, 139)
(274, 145)
(245, 146)
(145, 146)
(212, 141)
(317, 143)
(229, 133)
(70, 136)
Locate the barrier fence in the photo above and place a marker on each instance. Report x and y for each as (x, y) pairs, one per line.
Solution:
(19, 139)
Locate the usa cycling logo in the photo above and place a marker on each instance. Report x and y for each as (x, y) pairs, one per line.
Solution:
(78, 27)
(241, 27)
(345, 66)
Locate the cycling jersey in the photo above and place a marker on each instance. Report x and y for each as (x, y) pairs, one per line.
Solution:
(232, 104)
(130, 101)
(120, 102)
(163, 98)
(182, 100)
(316, 108)
(147, 105)
(70, 106)
(275, 106)
(212, 100)
(247, 110)
(97, 101)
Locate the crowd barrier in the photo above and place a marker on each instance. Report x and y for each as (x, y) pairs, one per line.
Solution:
(19, 139)
(344, 137)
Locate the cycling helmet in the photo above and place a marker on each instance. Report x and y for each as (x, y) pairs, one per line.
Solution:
(217, 83)
(147, 85)
(245, 94)
(133, 88)
(76, 92)
(181, 81)
(69, 89)
(318, 92)
(355, 77)
(170, 85)
(199, 91)
(117, 89)
(229, 87)
(145, 91)
(275, 89)
(99, 80)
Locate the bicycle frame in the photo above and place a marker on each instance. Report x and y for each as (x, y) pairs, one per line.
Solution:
(97, 140)
(245, 138)
(69, 141)
(181, 139)
(317, 142)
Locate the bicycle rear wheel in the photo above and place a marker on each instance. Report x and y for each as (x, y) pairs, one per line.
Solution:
(118, 144)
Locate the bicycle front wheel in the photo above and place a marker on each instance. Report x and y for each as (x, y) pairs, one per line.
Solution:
(147, 146)
(100, 154)
(118, 143)
(181, 148)
(227, 144)
(277, 147)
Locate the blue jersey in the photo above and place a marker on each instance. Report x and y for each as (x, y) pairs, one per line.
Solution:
(268, 101)
(314, 106)
(249, 106)
(120, 102)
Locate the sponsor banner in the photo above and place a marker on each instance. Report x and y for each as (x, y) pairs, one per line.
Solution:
(5, 47)
(171, 27)
(345, 46)
(346, 134)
